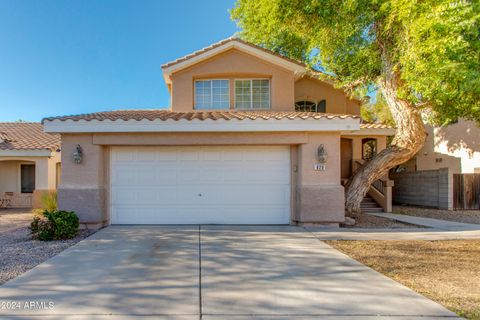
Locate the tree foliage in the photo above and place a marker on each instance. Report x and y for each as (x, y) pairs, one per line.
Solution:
(378, 111)
(432, 46)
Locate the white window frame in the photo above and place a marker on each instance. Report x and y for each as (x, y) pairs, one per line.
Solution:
(211, 93)
(251, 94)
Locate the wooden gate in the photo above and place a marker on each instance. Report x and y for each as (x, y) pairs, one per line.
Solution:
(466, 191)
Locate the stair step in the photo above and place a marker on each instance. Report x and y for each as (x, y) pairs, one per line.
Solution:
(372, 210)
(371, 205)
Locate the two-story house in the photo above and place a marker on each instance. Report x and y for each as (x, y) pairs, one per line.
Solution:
(251, 137)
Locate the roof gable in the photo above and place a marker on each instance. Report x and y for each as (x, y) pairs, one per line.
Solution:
(169, 68)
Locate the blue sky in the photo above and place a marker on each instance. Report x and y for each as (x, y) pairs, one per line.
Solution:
(68, 57)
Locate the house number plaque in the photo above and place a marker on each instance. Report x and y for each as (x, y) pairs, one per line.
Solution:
(320, 167)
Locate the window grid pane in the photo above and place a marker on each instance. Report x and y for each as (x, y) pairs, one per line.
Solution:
(261, 94)
(252, 94)
(242, 94)
(212, 94)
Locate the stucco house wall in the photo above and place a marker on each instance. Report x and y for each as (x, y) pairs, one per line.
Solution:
(26, 143)
(317, 196)
(45, 175)
(456, 147)
(10, 177)
(316, 90)
(233, 64)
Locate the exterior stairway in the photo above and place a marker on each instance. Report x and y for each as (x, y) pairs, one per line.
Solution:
(369, 205)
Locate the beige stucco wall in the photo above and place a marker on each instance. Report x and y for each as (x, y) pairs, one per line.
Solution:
(319, 193)
(233, 64)
(317, 196)
(9, 176)
(456, 146)
(285, 89)
(316, 90)
(45, 174)
(82, 188)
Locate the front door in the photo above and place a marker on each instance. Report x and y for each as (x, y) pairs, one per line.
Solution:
(346, 154)
(27, 178)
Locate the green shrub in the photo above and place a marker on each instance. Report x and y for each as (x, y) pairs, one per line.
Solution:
(38, 212)
(49, 201)
(55, 225)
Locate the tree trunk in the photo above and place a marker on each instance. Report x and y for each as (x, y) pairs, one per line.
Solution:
(408, 140)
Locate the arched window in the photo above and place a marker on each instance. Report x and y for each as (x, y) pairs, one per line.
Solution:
(305, 106)
(369, 148)
(310, 106)
(322, 106)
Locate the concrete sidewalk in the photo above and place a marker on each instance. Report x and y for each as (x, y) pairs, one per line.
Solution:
(435, 230)
(392, 234)
(210, 272)
(429, 222)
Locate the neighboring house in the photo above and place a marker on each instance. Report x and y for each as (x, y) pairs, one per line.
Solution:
(29, 163)
(250, 138)
(456, 146)
(445, 173)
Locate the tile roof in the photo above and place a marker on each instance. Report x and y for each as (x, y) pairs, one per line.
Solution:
(198, 115)
(375, 125)
(222, 42)
(26, 136)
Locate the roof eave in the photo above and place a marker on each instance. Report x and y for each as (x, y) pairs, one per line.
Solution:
(220, 125)
(372, 132)
(25, 152)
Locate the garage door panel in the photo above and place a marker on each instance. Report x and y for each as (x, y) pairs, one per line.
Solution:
(182, 185)
(204, 215)
(272, 173)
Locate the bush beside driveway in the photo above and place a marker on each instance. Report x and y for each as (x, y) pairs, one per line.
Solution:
(18, 251)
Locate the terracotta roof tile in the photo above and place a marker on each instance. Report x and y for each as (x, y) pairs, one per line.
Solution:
(375, 125)
(26, 136)
(222, 42)
(198, 115)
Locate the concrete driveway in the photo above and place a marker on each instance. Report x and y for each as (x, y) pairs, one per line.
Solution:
(208, 272)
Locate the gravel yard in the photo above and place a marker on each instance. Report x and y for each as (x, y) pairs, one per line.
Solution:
(18, 251)
(465, 216)
(14, 218)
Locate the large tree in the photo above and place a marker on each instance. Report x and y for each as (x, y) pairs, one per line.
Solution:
(421, 55)
(377, 111)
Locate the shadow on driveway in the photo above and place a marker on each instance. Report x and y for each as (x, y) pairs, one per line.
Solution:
(245, 272)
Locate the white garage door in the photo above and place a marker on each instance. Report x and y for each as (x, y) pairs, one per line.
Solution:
(200, 185)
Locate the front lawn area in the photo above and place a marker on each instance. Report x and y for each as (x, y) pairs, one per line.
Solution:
(445, 271)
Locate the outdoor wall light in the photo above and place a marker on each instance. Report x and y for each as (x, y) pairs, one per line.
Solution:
(322, 154)
(78, 155)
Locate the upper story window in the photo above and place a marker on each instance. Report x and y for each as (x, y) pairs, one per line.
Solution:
(252, 94)
(310, 106)
(212, 94)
